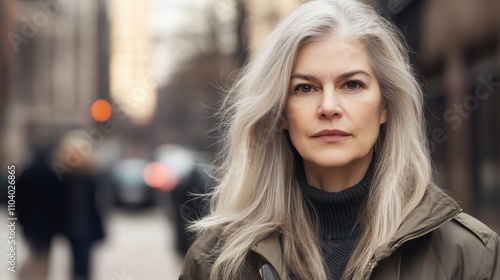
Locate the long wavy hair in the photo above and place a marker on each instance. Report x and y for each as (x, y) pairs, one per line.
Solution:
(257, 194)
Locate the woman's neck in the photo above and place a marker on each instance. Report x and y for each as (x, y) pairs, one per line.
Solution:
(338, 178)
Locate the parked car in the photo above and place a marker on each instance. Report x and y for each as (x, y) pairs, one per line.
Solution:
(128, 185)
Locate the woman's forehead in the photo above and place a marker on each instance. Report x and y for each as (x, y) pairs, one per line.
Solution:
(333, 54)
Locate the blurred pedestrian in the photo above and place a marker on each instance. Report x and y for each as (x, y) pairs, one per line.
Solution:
(37, 202)
(327, 171)
(81, 218)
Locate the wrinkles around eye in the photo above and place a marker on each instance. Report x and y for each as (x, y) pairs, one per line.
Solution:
(304, 88)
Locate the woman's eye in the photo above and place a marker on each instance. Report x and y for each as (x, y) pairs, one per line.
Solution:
(353, 85)
(303, 88)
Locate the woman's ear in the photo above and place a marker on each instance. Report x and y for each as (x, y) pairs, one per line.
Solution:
(383, 115)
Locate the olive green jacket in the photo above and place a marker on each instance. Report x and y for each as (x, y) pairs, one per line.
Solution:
(436, 241)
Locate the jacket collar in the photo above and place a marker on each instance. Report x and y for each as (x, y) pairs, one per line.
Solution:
(435, 209)
(270, 250)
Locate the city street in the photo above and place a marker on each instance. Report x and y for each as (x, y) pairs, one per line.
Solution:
(139, 246)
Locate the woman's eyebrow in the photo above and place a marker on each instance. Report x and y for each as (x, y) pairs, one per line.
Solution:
(342, 76)
(304, 77)
(353, 73)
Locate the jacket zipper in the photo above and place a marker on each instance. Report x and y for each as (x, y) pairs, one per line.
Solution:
(373, 263)
(397, 245)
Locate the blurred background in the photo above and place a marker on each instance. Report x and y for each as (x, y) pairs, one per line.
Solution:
(106, 110)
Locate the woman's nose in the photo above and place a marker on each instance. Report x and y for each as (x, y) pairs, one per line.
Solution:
(329, 106)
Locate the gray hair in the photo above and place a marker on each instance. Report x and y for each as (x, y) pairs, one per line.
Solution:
(258, 195)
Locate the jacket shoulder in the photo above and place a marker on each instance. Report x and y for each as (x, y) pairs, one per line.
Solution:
(467, 249)
(480, 230)
(466, 232)
(197, 261)
(207, 240)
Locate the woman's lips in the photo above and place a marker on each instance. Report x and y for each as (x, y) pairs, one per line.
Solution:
(333, 135)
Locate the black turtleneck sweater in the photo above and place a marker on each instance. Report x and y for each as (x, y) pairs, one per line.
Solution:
(337, 213)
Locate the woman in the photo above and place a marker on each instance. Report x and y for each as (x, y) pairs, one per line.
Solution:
(327, 172)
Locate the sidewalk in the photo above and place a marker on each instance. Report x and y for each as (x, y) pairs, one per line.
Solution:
(139, 246)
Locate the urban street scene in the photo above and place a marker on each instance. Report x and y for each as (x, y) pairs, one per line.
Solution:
(294, 139)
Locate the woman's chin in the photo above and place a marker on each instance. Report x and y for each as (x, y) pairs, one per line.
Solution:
(329, 163)
(336, 161)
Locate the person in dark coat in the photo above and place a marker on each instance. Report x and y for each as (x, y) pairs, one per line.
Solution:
(37, 205)
(81, 219)
(57, 194)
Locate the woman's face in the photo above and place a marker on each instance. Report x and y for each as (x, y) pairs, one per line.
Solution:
(335, 108)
